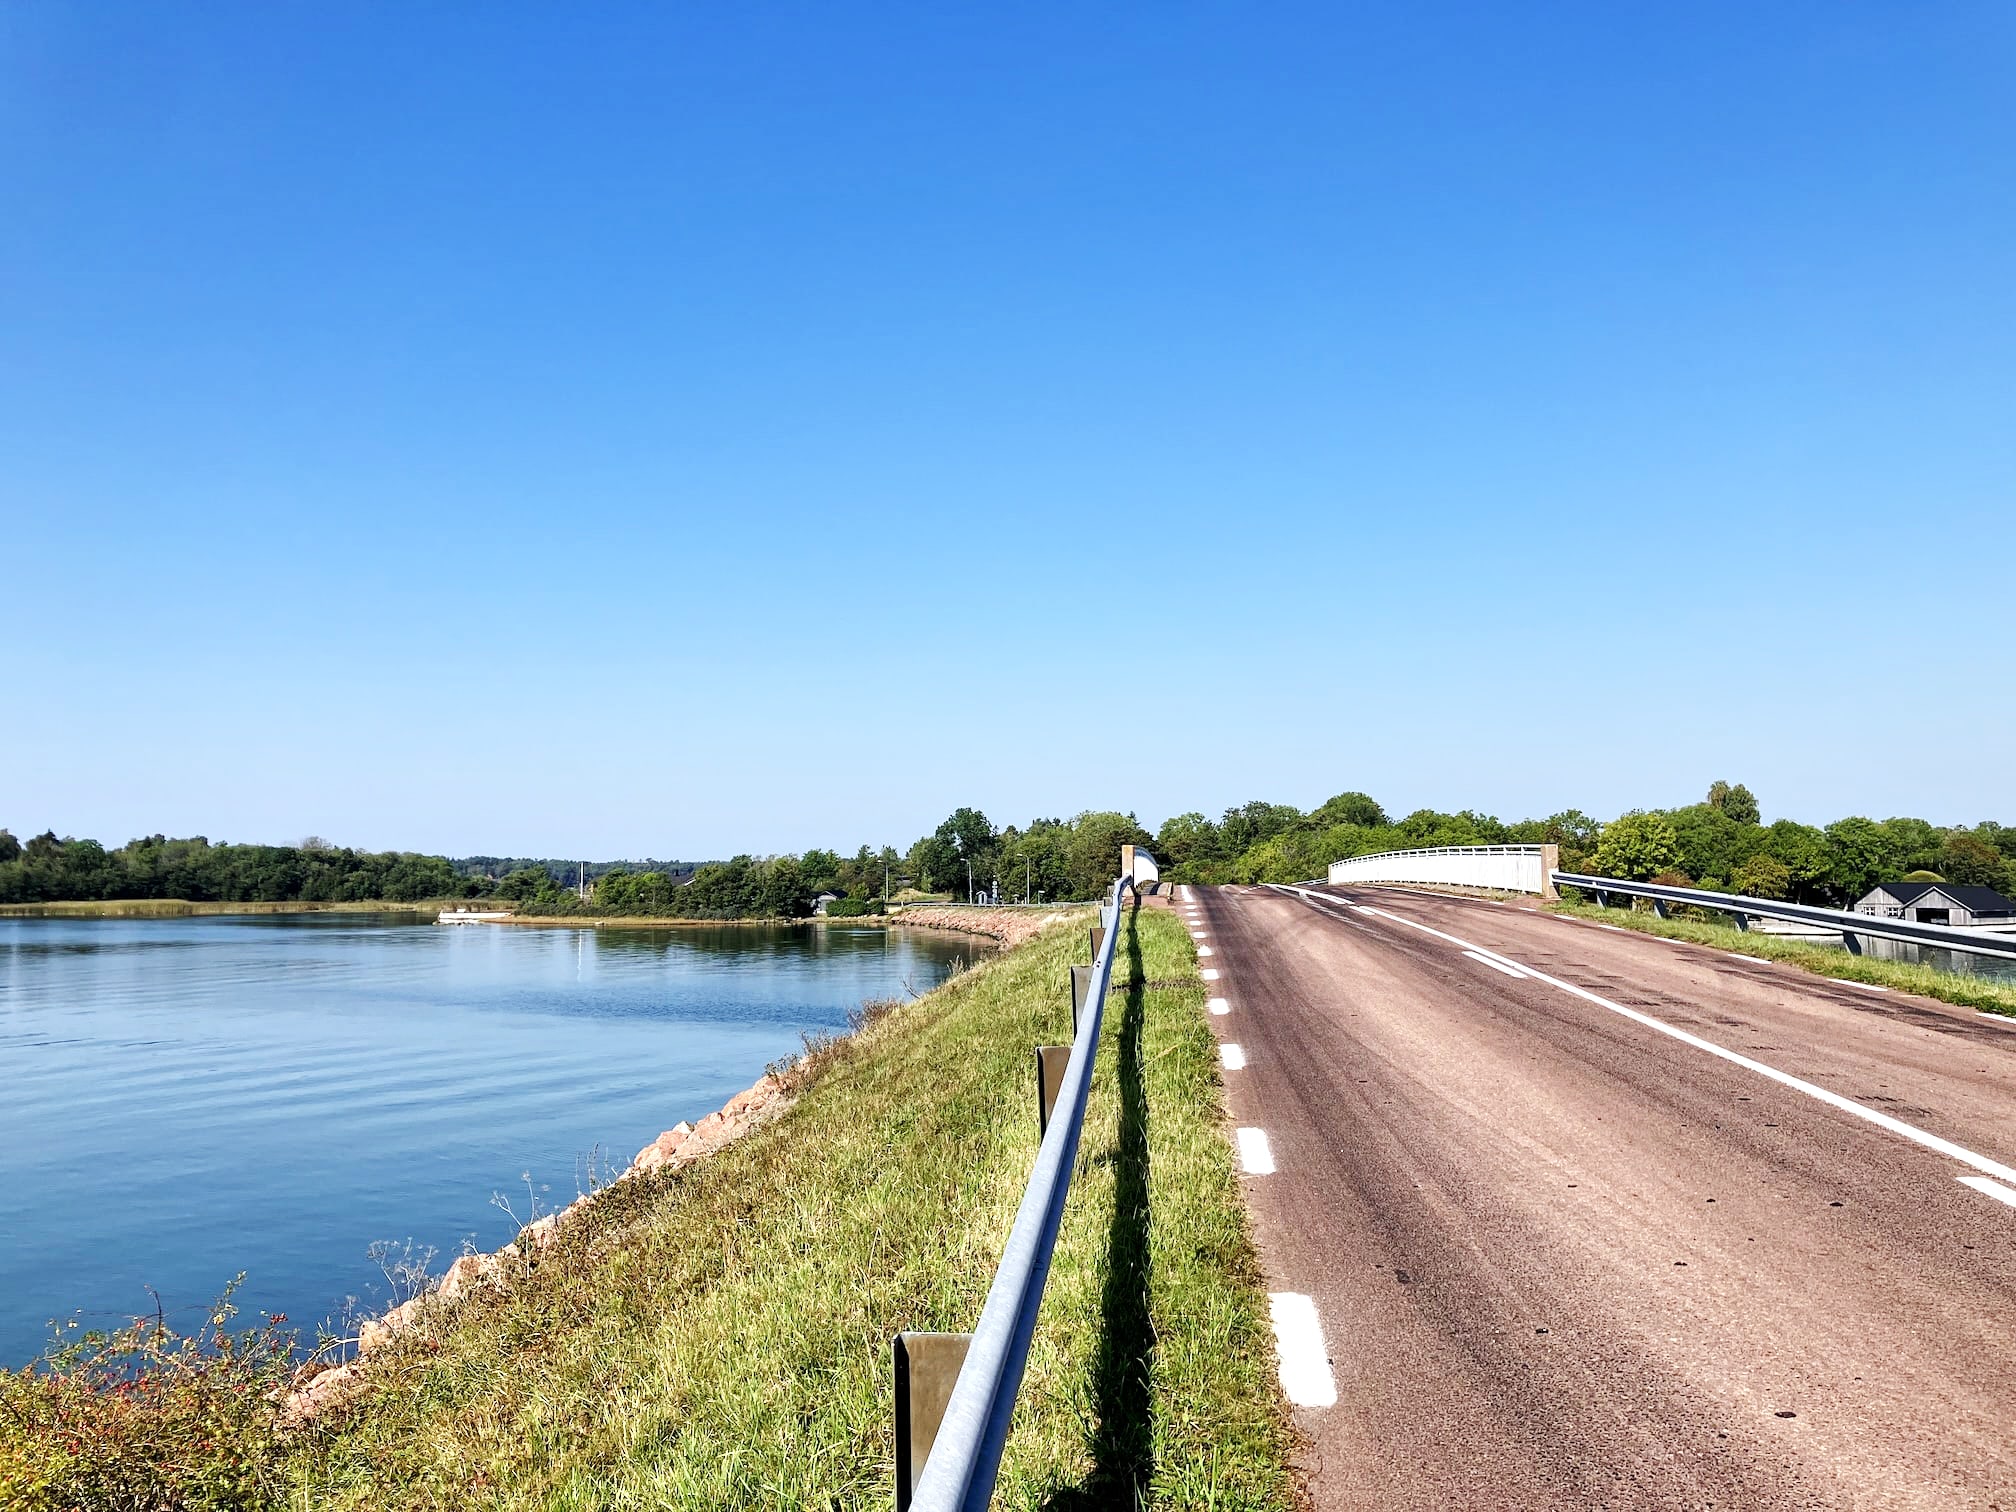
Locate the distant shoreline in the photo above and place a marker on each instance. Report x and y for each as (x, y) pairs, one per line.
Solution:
(1007, 926)
(180, 908)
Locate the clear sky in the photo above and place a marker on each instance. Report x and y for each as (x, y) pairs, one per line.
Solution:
(682, 429)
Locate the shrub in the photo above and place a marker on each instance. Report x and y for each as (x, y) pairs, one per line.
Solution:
(146, 1418)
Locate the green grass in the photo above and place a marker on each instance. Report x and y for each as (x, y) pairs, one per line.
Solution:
(723, 1341)
(1947, 986)
(720, 1337)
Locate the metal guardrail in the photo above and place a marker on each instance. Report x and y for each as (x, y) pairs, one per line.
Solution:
(1847, 923)
(1505, 868)
(962, 1459)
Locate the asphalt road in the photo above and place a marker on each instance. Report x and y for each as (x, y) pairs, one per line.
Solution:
(1561, 1256)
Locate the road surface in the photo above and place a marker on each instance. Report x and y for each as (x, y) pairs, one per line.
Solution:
(1643, 1225)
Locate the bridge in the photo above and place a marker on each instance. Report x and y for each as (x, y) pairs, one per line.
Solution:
(1555, 1214)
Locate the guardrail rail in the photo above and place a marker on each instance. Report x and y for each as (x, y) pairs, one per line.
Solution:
(1502, 868)
(1851, 926)
(952, 1438)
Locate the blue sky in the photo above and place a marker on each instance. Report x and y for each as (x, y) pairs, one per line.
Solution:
(674, 430)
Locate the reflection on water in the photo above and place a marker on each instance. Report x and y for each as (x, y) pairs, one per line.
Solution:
(1941, 959)
(188, 1098)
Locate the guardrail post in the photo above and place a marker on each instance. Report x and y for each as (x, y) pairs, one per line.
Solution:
(1098, 939)
(1081, 983)
(1050, 1063)
(1602, 898)
(1659, 908)
(927, 1367)
(1851, 942)
(1742, 920)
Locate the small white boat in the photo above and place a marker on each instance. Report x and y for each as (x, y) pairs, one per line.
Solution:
(471, 916)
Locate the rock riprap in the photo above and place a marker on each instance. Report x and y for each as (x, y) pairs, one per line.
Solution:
(321, 1386)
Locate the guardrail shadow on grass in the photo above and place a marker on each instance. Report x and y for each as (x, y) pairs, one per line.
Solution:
(1122, 1441)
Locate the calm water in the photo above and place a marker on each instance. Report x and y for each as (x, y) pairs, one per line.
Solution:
(1944, 960)
(188, 1098)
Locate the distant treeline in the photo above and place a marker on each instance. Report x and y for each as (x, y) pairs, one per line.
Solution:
(564, 871)
(966, 856)
(48, 870)
(1720, 843)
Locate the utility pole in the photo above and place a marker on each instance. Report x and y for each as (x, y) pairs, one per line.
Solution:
(885, 887)
(969, 881)
(1028, 879)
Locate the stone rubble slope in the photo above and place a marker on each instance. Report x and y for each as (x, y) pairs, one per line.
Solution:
(320, 1387)
(1011, 926)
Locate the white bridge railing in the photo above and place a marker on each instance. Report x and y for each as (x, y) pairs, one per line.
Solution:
(1503, 868)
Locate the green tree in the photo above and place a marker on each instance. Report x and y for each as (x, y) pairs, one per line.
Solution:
(1636, 847)
(1857, 857)
(1349, 808)
(1741, 805)
(1093, 857)
(1187, 839)
(1712, 845)
(1763, 876)
(1803, 851)
(524, 883)
(1250, 823)
(1970, 861)
(941, 860)
(1037, 861)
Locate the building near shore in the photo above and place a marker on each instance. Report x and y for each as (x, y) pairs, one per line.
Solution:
(1939, 903)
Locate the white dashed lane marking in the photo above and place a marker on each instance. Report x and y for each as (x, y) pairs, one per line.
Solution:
(1256, 1156)
(1305, 1358)
(1232, 1057)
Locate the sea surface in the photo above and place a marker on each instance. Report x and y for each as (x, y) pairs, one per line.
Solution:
(185, 1099)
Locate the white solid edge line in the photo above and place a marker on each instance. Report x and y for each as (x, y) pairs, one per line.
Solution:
(1305, 1358)
(1232, 1057)
(1256, 1156)
(1989, 1188)
(1884, 1121)
(1209, 973)
(1511, 971)
(1219, 1006)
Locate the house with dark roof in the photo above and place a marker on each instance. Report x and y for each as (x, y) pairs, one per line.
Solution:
(1939, 903)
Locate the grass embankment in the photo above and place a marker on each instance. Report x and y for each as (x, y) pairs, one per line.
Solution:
(179, 908)
(719, 1336)
(1823, 960)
